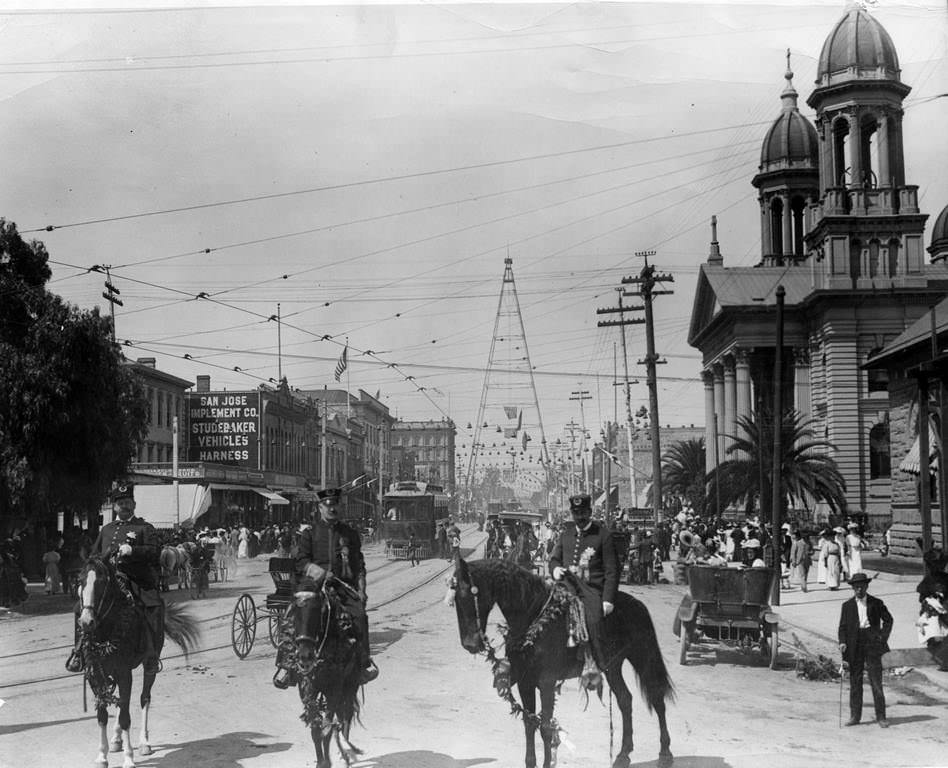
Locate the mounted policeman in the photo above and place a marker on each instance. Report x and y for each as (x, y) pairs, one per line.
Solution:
(132, 543)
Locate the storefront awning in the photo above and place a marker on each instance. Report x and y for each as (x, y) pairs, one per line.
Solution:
(273, 498)
(911, 461)
(157, 504)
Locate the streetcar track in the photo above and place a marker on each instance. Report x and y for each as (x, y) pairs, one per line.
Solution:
(265, 616)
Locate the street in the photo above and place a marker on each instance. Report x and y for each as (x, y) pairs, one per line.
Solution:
(433, 705)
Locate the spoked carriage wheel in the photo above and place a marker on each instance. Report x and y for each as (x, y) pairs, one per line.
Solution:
(243, 626)
(276, 619)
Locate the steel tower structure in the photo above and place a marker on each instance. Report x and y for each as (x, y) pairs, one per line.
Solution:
(509, 406)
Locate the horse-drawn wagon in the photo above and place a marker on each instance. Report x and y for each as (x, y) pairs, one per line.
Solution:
(728, 605)
(243, 624)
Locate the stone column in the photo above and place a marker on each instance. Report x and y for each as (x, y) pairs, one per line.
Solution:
(766, 241)
(855, 151)
(882, 137)
(801, 381)
(743, 383)
(730, 404)
(787, 223)
(718, 370)
(708, 379)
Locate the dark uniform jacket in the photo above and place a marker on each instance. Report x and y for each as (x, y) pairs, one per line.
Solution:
(334, 547)
(603, 567)
(880, 627)
(142, 565)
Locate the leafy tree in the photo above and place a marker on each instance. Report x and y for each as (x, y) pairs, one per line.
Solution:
(808, 471)
(683, 472)
(71, 413)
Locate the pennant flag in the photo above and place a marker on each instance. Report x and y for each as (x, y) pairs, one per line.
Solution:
(510, 411)
(343, 362)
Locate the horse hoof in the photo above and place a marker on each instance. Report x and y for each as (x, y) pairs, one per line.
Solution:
(144, 749)
(116, 746)
(622, 761)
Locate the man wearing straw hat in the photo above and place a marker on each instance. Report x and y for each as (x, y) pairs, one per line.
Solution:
(864, 628)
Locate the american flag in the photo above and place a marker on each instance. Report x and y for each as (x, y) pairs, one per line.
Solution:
(343, 362)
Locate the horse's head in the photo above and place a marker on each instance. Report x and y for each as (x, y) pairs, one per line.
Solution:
(472, 603)
(311, 623)
(94, 580)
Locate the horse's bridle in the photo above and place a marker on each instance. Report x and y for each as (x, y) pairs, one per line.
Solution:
(326, 609)
(108, 592)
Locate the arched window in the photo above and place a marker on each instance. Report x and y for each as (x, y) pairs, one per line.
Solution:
(879, 458)
(797, 207)
(893, 257)
(841, 148)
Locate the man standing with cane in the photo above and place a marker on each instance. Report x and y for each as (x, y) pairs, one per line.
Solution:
(864, 628)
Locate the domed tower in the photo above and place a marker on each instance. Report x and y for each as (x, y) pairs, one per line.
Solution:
(868, 226)
(788, 180)
(939, 246)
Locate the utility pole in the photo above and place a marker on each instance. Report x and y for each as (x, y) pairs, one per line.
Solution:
(629, 425)
(777, 495)
(647, 279)
(110, 293)
(572, 426)
(323, 446)
(581, 395)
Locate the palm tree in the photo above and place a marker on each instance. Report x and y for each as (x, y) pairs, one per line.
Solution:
(683, 472)
(808, 472)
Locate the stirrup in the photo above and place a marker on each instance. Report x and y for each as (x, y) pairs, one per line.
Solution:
(284, 678)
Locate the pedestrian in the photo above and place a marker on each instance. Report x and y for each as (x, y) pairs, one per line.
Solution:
(54, 585)
(830, 558)
(800, 558)
(844, 565)
(412, 548)
(856, 544)
(864, 628)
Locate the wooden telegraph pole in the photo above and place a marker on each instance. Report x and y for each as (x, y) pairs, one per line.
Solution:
(646, 280)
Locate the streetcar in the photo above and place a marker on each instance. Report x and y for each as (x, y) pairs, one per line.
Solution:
(413, 507)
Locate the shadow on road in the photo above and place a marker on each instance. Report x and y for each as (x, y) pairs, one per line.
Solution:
(6, 730)
(420, 759)
(688, 761)
(380, 640)
(224, 751)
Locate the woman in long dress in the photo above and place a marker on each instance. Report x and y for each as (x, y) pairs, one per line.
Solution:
(856, 546)
(830, 557)
(844, 565)
(820, 561)
(242, 546)
(54, 584)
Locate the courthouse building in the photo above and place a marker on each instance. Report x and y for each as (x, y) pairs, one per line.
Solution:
(843, 235)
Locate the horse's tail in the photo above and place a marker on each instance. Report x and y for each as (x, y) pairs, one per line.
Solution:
(644, 653)
(181, 627)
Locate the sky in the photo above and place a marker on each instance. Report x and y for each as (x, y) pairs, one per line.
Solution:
(364, 171)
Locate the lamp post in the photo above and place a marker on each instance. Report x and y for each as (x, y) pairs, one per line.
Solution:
(776, 497)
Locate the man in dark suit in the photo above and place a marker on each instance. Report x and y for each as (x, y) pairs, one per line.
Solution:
(133, 543)
(333, 548)
(864, 628)
(586, 549)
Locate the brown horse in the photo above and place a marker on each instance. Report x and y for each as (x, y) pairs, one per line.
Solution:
(111, 627)
(538, 656)
(327, 667)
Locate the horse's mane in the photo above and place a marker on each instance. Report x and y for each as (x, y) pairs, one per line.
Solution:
(508, 580)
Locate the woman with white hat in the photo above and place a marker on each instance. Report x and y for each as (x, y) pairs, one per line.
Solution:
(843, 552)
(856, 544)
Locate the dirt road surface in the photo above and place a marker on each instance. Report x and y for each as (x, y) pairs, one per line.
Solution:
(433, 705)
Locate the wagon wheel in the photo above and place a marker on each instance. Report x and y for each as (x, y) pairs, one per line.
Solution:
(243, 626)
(683, 644)
(773, 648)
(275, 620)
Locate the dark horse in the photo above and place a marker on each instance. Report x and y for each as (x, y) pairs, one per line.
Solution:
(111, 627)
(537, 652)
(327, 666)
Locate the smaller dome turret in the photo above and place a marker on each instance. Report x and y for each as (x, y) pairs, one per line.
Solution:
(939, 245)
(792, 140)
